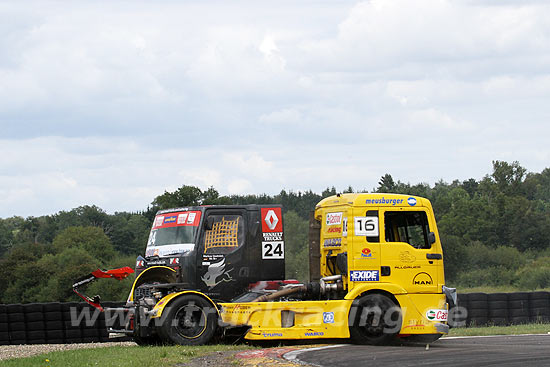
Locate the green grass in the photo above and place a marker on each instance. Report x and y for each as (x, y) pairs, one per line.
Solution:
(501, 330)
(121, 356)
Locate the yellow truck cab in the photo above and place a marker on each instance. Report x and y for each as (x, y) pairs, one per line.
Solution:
(380, 263)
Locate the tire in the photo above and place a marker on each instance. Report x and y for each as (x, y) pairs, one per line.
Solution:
(523, 304)
(54, 334)
(518, 296)
(374, 319)
(539, 295)
(518, 312)
(4, 335)
(16, 317)
(477, 297)
(53, 316)
(498, 321)
(52, 307)
(476, 312)
(518, 320)
(36, 326)
(33, 307)
(18, 326)
(15, 308)
(492, 297)
(498, 305)
(478, 305)
(35, 316)
(539, 303)
(498, 313)
(73, 334)
(188, 320)
(54, 325)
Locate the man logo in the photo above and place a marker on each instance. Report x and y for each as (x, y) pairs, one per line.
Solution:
(423, 279)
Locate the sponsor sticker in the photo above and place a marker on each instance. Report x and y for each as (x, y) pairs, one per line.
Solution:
(191, 218)
(159, 220)
(170, 219)
(332, 242)
(316, 333)
(366, 252)
(328, 317)
(406, 257)
(345, 227)
(406, 267)
(334, 218)
(411, 201)
(423, 279)
(271, 220)
(364, 275)
(182, 218)
(272, 335)
(334, 229)
(437, 315)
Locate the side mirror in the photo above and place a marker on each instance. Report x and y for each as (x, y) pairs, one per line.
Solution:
(431, 238)
(209, 223)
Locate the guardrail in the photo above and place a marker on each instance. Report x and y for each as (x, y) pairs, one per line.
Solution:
(41, 323)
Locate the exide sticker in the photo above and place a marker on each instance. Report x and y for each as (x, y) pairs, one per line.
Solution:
(334, 230)
(363, 275)
(334, 218)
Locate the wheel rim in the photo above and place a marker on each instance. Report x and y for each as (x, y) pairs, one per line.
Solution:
(190, 321)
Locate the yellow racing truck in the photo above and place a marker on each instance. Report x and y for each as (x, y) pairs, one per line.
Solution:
(376, 274)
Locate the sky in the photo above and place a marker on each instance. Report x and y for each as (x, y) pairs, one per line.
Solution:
(111, 103)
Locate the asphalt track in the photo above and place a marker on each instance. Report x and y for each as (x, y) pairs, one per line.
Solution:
(512, 350)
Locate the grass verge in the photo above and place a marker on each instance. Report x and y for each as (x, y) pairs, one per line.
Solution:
(121, 356)
(501, 330)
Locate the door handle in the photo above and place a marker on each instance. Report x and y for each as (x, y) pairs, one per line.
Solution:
(434, 256)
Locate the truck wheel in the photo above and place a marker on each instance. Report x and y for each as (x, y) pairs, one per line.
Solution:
(189, 320)
(374, 319)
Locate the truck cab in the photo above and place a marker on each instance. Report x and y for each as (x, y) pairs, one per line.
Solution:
(217, 250)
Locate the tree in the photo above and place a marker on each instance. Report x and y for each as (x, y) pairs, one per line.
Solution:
(91, 239)
(386, 184)
(184, 196)
(296, 247)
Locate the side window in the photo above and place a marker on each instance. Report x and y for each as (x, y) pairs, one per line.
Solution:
(226, 235)
(409, 227)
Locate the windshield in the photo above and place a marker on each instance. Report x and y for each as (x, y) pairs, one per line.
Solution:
(173, 233)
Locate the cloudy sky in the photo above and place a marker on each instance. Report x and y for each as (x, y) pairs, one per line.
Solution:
(113, 102)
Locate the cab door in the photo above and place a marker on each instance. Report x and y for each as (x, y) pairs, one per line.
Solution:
(410, 256)
(221, 253)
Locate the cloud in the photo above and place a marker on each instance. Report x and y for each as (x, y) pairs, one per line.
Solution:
(109, 104)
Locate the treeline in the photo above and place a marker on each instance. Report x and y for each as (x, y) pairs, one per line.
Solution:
(495, 232)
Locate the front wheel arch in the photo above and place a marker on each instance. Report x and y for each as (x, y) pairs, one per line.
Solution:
(188, 319)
